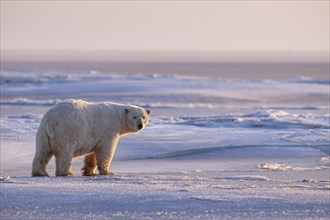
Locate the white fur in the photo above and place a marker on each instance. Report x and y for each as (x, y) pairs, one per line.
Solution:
(75, 128)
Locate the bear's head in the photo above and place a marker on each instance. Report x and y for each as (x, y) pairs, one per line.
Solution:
(136, 118)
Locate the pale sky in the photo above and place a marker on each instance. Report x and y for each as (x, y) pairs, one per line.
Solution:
(173, 25)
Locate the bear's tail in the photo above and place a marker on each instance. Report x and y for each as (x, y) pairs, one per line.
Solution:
(50, 131)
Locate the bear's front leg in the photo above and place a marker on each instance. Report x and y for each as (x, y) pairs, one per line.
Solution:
(104, 154)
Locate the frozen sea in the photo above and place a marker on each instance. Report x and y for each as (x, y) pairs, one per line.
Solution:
(216, 147)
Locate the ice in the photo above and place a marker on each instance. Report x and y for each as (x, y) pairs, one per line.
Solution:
(268, 119)
(162, 196)
(252, 177)
(304, 79)
(5, 179)
(214, 148)
(325, 159)
(282, 167)
(25, 101)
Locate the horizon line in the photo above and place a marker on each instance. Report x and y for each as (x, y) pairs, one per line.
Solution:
(162, 55)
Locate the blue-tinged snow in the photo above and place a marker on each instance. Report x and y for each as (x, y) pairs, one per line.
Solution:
(213, 147)
(186, 111)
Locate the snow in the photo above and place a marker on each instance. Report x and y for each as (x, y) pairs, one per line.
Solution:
(166, 196)
(214, 148)
(280, 166)
(251, 177)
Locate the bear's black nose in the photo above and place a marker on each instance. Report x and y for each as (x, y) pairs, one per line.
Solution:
(140, 126)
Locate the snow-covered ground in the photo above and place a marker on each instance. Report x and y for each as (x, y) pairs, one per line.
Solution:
(215, 148)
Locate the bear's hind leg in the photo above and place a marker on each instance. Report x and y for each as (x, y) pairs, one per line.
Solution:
(63, 164)
(90, 165)
(40, 162)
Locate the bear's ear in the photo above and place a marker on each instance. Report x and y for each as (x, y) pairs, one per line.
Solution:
(148, 111)
(126, 110)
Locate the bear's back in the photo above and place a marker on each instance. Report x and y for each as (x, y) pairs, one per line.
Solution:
(66, 116)
(66, 108)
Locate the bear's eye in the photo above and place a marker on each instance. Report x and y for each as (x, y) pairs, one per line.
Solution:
(144, 117)
(134, 117)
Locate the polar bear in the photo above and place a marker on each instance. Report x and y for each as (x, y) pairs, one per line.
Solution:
(76, 128)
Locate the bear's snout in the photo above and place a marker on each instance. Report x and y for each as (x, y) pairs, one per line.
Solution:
(140, 126)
